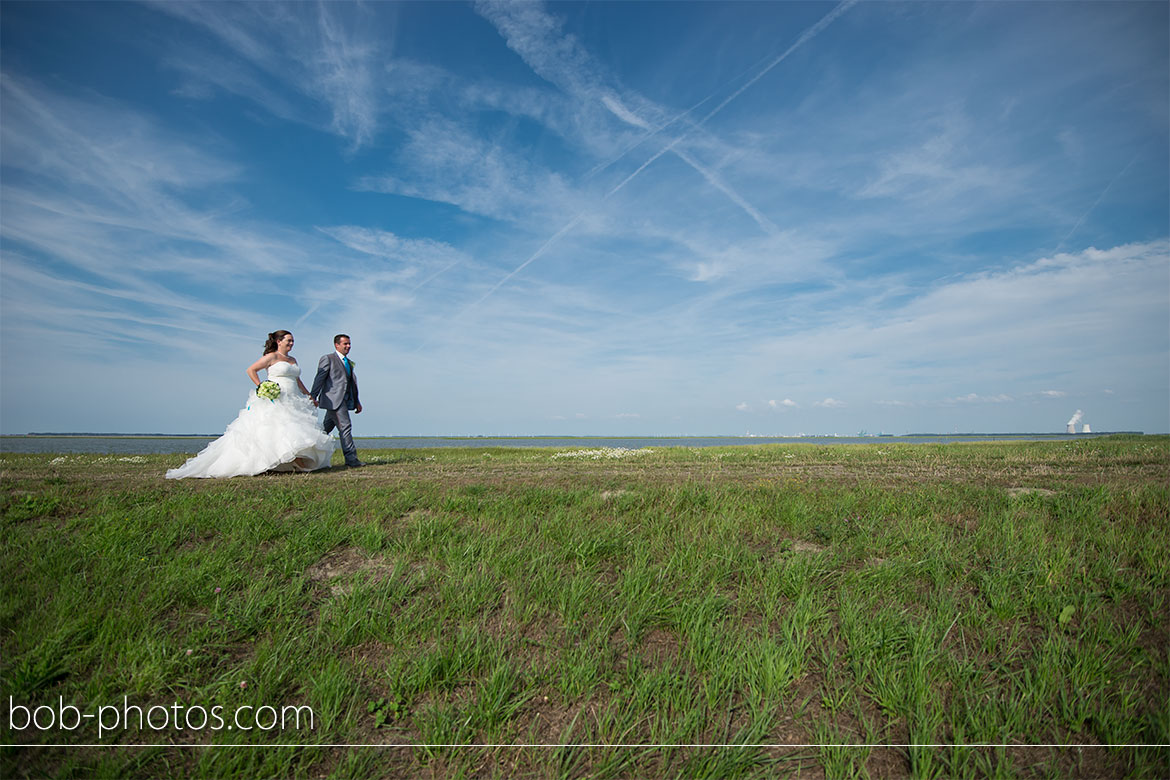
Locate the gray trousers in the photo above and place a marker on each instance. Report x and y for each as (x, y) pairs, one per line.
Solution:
(339, 419)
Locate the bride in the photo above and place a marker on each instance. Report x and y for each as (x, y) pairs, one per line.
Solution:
(281, 434)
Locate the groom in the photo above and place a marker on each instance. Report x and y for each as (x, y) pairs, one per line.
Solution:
(335, 389)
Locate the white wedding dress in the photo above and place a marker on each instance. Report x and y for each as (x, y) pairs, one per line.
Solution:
(279, 435)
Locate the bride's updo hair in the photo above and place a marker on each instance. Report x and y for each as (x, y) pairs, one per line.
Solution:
(274, 339)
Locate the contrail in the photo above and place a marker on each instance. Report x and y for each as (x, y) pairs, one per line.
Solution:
(643, 166)
(766, 224)
(307, 314)
(443, 270)
(544, 247)
(1096, 203)
(805, 37)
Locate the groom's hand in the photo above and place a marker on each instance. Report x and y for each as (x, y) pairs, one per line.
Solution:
(358, 409)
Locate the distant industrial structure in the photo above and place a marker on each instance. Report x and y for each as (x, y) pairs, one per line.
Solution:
(1072, 424)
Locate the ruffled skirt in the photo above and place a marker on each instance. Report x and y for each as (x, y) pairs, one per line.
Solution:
(280, 435)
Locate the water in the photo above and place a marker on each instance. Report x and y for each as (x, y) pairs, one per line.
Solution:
(161, 445)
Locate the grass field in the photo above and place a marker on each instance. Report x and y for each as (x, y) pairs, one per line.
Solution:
(884, 610)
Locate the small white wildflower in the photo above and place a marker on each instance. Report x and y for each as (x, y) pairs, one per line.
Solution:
(603, 452)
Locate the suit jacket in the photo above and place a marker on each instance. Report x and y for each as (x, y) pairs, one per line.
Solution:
(331, 387)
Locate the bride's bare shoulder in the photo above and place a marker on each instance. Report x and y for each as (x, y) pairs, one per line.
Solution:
(264, 362)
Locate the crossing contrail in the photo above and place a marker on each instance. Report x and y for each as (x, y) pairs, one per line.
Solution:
(804, 38)
(713, 179)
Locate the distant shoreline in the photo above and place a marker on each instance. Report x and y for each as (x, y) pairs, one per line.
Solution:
(159, 443)
(598, 436)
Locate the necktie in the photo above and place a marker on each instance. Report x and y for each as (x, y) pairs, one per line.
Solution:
(345, 360)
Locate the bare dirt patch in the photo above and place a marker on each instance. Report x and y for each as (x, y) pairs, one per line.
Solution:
(1025, 491)
(661, 646)
(342, 564)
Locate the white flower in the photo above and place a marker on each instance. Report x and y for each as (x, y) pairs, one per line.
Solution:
(604, 452)
(268, 389)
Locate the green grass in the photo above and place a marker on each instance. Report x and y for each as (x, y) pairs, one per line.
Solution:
(879, 610)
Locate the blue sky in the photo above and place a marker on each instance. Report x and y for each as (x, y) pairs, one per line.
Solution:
(590, 218)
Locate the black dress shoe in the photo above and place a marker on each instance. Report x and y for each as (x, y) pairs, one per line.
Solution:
(357, 464)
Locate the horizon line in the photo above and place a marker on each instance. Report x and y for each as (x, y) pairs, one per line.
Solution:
(858, 435)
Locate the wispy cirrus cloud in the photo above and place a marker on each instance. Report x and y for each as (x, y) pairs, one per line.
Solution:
(536, 36)
(387, 245)
(116, 199)
(324, 51)
(444, 162)
(937, 166)
(976, 398)
(895, 203)
(1029, 323)
(129, 226)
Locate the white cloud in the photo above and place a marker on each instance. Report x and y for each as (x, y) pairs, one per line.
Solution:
(561, 59)
(416, 256)
(975, 398)
(939, 166)
(114, 199)
(831, 232)
(204, 74)
(331, 56)
(445, 162)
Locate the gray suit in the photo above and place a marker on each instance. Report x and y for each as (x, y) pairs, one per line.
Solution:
(337, 393)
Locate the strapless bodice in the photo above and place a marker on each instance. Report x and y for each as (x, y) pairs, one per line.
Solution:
(283, 370)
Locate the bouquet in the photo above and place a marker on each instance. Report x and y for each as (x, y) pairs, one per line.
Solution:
(268, 389)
